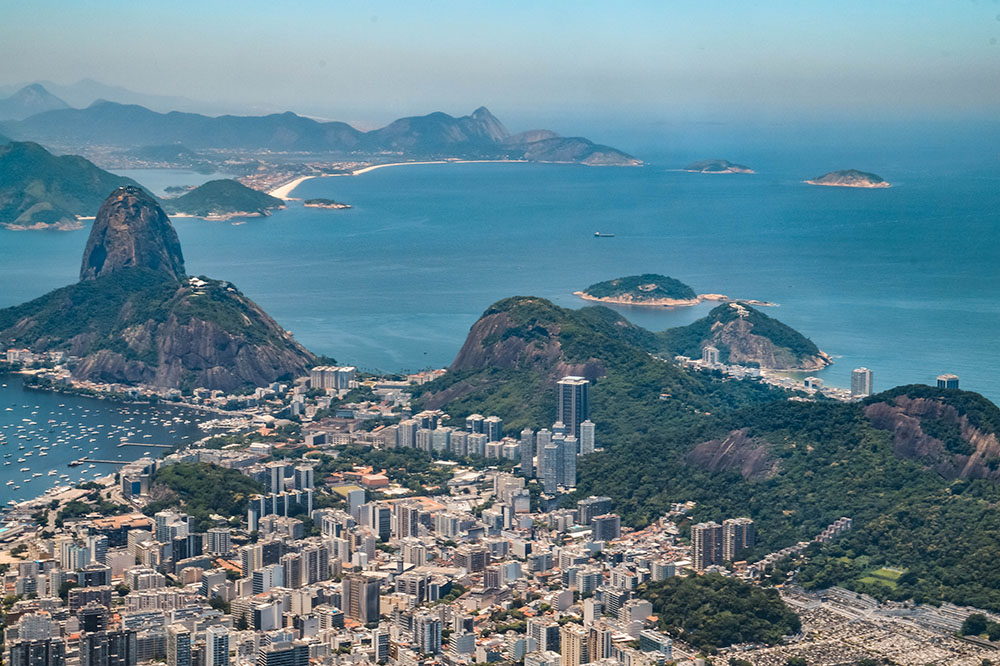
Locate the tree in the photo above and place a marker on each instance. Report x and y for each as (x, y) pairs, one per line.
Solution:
(795, 661)
(974, 625)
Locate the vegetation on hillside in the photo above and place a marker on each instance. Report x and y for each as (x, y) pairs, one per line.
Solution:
(221, 197)
(639, 288)
(202, 489)
(824, 459)
(38, 184)
(712, 612)
(688, 340)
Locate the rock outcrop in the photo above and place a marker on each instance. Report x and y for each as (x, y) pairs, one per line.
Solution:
(749, 456)
(935, 433)
(132, 231)
(136, 318)
(746, 336)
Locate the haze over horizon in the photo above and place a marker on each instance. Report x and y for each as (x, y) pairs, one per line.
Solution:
(371, 63)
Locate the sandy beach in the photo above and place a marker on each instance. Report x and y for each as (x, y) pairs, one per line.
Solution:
(285, 191)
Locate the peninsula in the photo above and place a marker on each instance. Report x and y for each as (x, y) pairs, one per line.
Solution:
(651, 289)
(717, 166)
(849, 178)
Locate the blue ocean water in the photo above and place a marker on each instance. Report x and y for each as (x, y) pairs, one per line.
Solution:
(42, 432)
(902, 280)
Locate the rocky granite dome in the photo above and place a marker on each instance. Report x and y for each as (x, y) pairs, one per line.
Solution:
(136, 318)
(746, 336)
(132, 231)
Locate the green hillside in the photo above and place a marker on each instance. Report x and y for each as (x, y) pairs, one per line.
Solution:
(222, 197)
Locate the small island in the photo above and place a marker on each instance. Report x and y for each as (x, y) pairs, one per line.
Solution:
(222, 200)
(325, 203)
(646, 289)
(717, 166)
(652, 289)
(849, 178)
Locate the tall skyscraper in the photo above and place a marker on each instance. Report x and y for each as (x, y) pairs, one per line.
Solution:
(947, 381)
(738, 536)
(573, 645)
(706, 544)
(550, 467)
(217, 646)
(527, 452)
(572, 404)
(606, 528)
(710, 355)
(570, 450)
(493, 428)
(178, 645)
(474, 423)
(427, 633)
(542, 439)
(587, 443)
(861, 382)
(217, 541)
(592, 506)
(361, 598)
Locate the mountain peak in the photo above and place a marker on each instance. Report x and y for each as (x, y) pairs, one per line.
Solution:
(132, 231)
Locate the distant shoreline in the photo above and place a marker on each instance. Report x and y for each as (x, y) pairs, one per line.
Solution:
(673, 302)
(285, 191)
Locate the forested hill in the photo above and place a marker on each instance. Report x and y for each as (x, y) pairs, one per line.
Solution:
(739, 448)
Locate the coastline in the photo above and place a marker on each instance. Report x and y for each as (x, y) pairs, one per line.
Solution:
(285, 191)
(673, 302)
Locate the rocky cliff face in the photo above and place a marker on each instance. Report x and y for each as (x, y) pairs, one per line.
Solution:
(132, 231)
(935, 434)
(750, 456)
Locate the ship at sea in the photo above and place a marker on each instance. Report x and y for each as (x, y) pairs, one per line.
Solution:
(598, 234)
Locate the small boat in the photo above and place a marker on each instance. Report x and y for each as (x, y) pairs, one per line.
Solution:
(598, 234)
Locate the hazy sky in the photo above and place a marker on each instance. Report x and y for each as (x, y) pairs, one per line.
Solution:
(527, 60)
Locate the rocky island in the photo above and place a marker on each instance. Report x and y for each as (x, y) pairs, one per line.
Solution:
(223, 199)
(849, 178)
(653, 290)
(136, 317)
(646, 289)
(325, 203)
(717, 166)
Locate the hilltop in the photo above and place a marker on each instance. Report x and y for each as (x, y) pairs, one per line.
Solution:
(28, 101)
(42, 190)
(479, 135)
(717, 166)
(646, 289)
(223, 198)
(137, 318)
(520, 346)
(742, 448)
(746, 336)
(849, 178)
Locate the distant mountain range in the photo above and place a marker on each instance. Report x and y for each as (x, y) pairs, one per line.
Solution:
(28, 101)
(39, 190)
(479, 135)
(85, 92)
